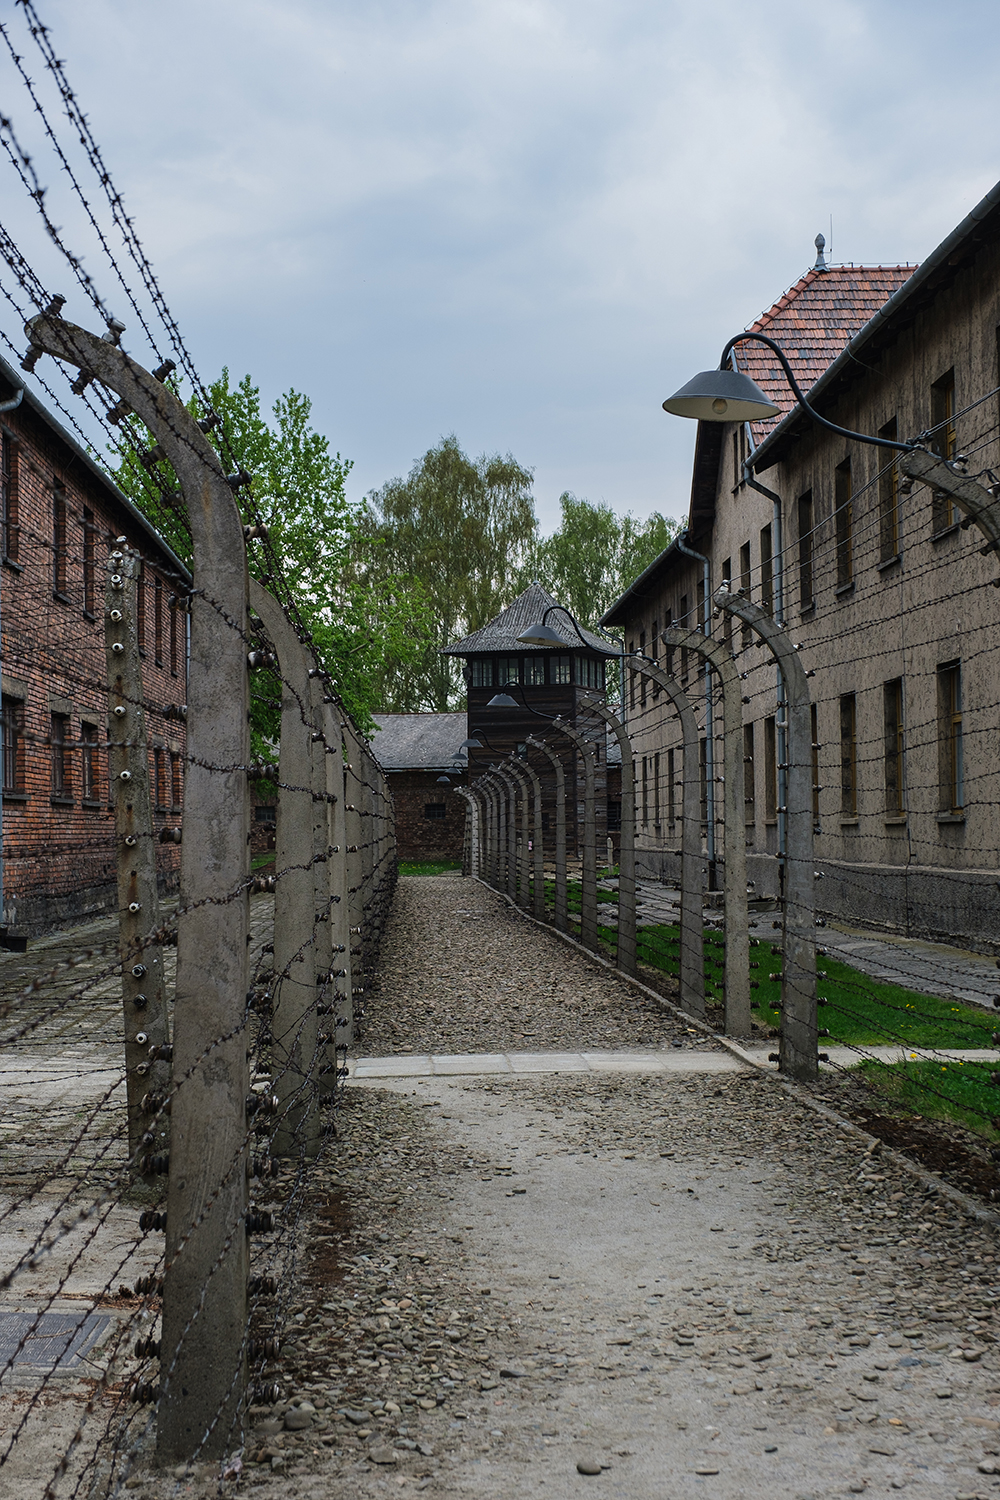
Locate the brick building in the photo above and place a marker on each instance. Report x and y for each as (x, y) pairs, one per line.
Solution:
(887, 594)
(59, 515)
(415, 751)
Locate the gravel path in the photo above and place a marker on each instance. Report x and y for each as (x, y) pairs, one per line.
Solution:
(461, 971)
(674, 1285)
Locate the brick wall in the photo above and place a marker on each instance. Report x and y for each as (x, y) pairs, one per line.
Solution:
(59, 521)
(420, 837)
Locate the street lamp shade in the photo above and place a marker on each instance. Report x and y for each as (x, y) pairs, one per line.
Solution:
(721, 396)
(445, 779)
(471, 745)
(503, 700)
(540, 635)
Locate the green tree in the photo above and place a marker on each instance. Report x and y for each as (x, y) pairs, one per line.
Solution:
(460, 531)
(595, 553)
(358, 623)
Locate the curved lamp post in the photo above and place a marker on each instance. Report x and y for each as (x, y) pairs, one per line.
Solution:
(520, 763)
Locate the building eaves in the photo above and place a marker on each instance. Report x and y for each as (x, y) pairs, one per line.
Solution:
(9, 374)
(940, 267)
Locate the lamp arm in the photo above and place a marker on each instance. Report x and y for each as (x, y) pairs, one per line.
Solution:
(573, 622)
(524, 702)
(860, 437)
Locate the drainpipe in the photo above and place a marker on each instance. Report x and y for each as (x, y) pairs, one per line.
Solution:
(5, 406)
(706, 627)
(781, 713)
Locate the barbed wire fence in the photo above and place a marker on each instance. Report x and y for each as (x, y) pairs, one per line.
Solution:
(157, 1173)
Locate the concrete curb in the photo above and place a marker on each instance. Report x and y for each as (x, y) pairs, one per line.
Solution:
(965, 1201)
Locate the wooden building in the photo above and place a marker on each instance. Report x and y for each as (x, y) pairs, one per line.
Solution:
(545, 683)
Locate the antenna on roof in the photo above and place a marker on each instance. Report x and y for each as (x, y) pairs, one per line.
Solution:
(820, 243)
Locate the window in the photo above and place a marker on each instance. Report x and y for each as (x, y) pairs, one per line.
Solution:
(482, 671)
(727, 619)
(59, 540)
(944, 511)
(11, 746)
(888, 500)
(745, 588)
(173, 635)
(807, 598)
(89, 562)
(770, 772)
(645, 790)
(61, 786)
(656, 788)
(9, 530)
(654, 651)
(176, 782)
(766, 571)
(508, 669)
(739, 453)
(158, 621)
(534, 671)
(848, 756)
(434, 810)
(588, 672)
(614, 817)
(892, 696)
(951, 754)
(671, 789)
(88, 763)
(703, 777)
(631, 679)
(140, 610)
(749, 787)
(668, 652)
(562, 670)
(844, 518)
(643, 679)
(159, 779)
(265, 814)
(814, 745)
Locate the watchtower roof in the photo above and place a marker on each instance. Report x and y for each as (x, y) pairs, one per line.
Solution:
(501, 633)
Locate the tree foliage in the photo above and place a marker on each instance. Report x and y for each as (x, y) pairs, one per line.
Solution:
(594, 554)
(358, 624)
(461, 530)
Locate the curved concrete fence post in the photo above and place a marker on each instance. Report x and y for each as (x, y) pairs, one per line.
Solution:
(799, 1040)
(293, 1005)
(538, 843)
(588, 882)
(513, 786)
(493, 809)
(518, 769)
(338, 992)
(467, 842)
(737, 957)
(205, 1284)
(692, 958)
(559, 917)
(626, 856)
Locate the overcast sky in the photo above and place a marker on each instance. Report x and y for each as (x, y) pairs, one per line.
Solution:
(522, 221)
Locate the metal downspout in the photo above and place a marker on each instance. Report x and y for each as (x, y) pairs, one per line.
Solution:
(706, 628)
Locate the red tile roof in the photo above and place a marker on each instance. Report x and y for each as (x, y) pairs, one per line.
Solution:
(813, 321)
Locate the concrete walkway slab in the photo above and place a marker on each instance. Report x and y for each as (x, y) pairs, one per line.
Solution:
(524, 1063)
